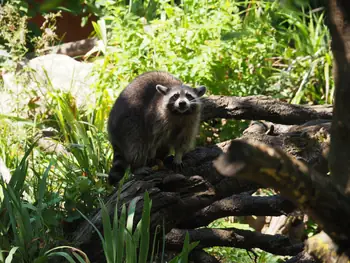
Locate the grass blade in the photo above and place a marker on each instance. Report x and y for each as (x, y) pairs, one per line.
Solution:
(10, 255)
(144, 232)
(107, 231)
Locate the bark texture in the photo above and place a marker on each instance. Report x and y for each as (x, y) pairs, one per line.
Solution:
(262, 108)
(339, 11)
(311, 191)
(204, 194)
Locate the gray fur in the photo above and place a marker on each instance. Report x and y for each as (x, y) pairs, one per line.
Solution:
(147, 120)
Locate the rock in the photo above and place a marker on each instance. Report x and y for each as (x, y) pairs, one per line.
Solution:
(53, 72)
(4, 171)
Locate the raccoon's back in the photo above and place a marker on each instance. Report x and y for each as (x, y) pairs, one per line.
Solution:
(137, 98)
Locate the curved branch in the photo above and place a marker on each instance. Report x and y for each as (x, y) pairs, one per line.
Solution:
(262, 108)
(233, 237)
(239, 205)
(322, 247)
(311, 191)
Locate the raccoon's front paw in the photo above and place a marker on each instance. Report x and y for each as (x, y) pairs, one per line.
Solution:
(171, 163)
(114, 178)
(178, 167)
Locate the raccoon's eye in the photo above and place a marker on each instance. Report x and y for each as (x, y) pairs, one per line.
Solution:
(189, 96)
(175, 96)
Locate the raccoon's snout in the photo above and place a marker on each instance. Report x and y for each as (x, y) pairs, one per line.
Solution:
(182, 104)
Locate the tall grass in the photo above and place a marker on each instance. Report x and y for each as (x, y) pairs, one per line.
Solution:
(24, 228)
(233, 47)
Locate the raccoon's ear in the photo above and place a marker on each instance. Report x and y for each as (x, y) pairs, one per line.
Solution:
(162, 89)
(200, 91)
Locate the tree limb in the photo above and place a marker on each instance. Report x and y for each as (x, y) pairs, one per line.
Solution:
(239, 205)
(321, 247)
(72, 49)
(233, 237)
(262, 108)
(311, 191)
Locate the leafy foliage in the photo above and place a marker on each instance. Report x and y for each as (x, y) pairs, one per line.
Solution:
(264, 49)
(233, 47)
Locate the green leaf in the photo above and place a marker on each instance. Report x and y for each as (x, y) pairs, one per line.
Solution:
(108, 234)
(10, 255)
(121, 235)
(145, 235)
(62, 254)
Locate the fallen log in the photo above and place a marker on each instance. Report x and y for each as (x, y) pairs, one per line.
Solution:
(178, 197)
(311, 191)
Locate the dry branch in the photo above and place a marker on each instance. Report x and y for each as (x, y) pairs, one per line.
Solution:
(233, 237)
(322, 247)
(262, 108)
(72, 49)
(239, 205)
(312, 192)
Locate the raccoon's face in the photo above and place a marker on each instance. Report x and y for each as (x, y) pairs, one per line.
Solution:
(181, 99)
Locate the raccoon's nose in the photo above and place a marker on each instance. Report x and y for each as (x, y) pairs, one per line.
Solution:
(182, 104)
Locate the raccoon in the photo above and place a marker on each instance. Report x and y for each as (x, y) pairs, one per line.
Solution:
(155, 113)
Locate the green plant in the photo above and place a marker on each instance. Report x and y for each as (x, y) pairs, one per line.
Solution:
(234, 48)
(122, 241)
(118, 236)
(13, 32)
(25, 226)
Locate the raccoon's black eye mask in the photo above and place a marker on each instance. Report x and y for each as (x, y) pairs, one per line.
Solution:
(175, 96)
(189, 96)
(200, 91)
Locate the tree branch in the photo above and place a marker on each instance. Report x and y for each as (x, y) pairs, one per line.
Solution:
(311, 191)
(72, 49)
(233, 237)
(239, 205)
(262, 108)
(321, 247)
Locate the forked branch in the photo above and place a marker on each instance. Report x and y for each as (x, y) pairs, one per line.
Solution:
(239, 205)
(312, 192)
